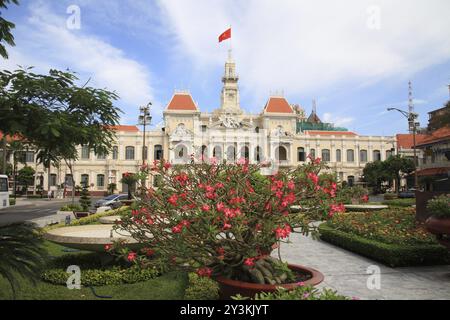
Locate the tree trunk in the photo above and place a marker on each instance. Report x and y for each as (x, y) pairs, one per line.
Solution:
(4, 154)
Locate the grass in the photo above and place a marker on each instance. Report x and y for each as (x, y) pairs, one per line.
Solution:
(170, 286)
(400, 202)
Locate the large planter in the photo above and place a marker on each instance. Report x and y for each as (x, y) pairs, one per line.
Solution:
(440, 228)
(229, 288)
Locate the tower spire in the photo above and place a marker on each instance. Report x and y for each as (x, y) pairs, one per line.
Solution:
(411, 120)
(230, 91)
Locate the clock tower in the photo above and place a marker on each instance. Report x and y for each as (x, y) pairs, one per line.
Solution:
(230, 90)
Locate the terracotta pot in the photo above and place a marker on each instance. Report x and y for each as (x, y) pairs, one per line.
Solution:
(229, 288)
(440, 228)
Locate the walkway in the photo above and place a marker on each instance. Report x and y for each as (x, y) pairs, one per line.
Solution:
(347, 272)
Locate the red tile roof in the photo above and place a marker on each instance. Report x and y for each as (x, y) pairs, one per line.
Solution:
(330, 133)
(441, 134)
(433, 171)
(182, 101)
(405, 141)
(278, 105)
(125, 128)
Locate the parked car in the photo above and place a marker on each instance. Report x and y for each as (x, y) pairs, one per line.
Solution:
(407, 194)
(112, 201)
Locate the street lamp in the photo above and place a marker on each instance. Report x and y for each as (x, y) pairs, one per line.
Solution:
(411, 116)
(144, 119)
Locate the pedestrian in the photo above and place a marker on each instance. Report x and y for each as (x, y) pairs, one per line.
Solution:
(49, 194)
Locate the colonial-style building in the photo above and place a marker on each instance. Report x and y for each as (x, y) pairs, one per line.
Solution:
(280, 134)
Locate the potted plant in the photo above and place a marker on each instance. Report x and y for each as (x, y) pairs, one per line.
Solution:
(85, 203)
(130, 180)
(439, 222)
(223, 221)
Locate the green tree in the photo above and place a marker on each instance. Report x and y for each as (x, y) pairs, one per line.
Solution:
(374, 173)
(6, 37)
(130, 180)
(111, 188)
(25, 176)
(397, 166)
(85, 198)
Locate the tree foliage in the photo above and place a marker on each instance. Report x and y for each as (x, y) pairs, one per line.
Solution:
(6, 37)
(25, 176)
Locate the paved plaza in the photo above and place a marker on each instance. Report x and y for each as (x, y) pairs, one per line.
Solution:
(347, 273)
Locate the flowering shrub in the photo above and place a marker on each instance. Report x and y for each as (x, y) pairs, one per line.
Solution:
(392, 226)
(222, 219)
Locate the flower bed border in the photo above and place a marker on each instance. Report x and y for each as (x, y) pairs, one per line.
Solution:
(389, 254)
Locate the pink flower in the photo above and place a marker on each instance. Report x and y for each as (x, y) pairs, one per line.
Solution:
(365, 198)
(220, 207)
(306, 295)
(108, 247)
(291, 185)
(301, 284)
(281, 233)
(173, 199)
(204, 272)
(226, 226)
(132, 256)
(167, 165)
(205, 208)
(177, 229)
(249, 262)
(313, 177)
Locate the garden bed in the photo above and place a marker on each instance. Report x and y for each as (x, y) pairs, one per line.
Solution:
(392, 237)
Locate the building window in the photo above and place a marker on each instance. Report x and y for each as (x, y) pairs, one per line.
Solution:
(129, 153)
(85, 180)
(204, 153)
(144, 153)
(158, 152)
(281, 153)
(231, 153)
(388, 153)
(338, 155)
(245, 153)
(257, 129)
(301, 157)
(312, 153)
(217, 152)
(203, 128)
(115, 153)
(53, 180)
(363, 155)
(351, 181)
(101, 156)
(100, 180)
(350, 155)
(29, 156)
(258, 154)
(326, 155)
(376, 155)
(85, 151)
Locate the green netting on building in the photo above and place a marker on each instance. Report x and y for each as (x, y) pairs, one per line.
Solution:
(303, 126)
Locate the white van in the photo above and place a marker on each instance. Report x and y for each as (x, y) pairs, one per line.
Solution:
(4, 194)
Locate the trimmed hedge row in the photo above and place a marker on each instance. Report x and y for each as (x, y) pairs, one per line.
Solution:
(389, 254)
(201, 288)
(400, 202)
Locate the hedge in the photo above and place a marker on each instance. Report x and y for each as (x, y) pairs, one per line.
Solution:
(201, 288)
(400, 202)
(390, 254)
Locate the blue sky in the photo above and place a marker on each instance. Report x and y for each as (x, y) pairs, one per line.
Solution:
(354, 57)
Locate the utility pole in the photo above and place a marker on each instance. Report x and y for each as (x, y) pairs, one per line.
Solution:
(144, 119)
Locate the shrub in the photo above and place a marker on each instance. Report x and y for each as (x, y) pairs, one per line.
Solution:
(12, 202)
(71, 207)
(393, 255)
(439, 207)
(85, 199)
(400, 202)
(348, 195)
(390, 196)
(224, 219)
(299, 293)
(201, 288)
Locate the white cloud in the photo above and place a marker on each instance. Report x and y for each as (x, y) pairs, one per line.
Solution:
(45, 42)
(338, 121)
(303, 47)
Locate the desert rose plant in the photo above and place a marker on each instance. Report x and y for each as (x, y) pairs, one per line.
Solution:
(225, 219)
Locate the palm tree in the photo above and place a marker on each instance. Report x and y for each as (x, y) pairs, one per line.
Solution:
(22, 254)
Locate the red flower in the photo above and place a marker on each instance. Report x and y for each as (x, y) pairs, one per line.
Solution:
(108, 247)
(204, 272)
(220, 206)
(132, 256)
(249, 262)
(173, 199)
(281, 233)
(205, 208)
(177, 229)
(226, 226)
(365, 198)
(148, 252)
(221, 251)
(167, 165)
(313, 177)
(291, 185)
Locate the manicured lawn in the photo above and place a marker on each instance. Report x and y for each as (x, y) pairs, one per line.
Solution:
(170, 286)
(400, 202)
(391, 236)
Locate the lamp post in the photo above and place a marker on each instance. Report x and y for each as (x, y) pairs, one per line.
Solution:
(411, 116)
(144, 119)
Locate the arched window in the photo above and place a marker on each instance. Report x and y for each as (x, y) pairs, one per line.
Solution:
(363, 155)
(53, 180)
(129, 153)
(85, 151)
(181, 152)
(245, 153)
(158, 152)
(338, 155)
(231, 153)
(350, 155)
(326, 155)
(258, 154)
(281, 153)
(100, 180)
(85, 180)
(376, 155)
(204, 153)
(115, 153)
(301, 156)
(217, 152)
(312, 153)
